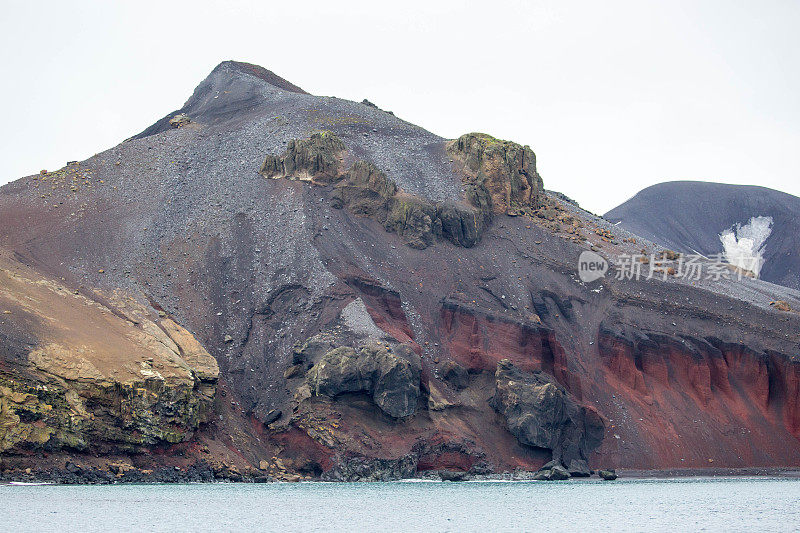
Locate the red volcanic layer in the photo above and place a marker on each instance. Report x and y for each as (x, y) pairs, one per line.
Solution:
(702, 402)
(478, 341)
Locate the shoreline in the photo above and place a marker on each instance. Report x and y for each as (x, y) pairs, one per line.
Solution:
(206, 476)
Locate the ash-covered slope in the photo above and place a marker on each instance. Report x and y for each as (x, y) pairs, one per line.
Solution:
(689, 216)
(382, 302)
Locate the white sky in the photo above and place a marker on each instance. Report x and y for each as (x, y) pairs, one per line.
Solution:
(613, 96)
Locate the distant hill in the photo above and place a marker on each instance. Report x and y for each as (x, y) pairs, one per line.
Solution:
(688, 216)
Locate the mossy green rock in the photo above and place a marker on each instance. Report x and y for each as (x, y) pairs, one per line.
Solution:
(503, 170)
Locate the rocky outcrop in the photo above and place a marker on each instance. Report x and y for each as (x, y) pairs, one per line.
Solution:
(364, 469)
(607, 475)
(541, 413)
(180, 120)
(367, 191)
(455, 375)
(318, 159)
(500, 175)
(390, 377)
(104, 378)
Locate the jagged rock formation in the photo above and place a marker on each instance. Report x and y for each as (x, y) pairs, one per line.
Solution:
(541, 413)
(367, 191)
(317, 158)
(501, 175)
(390, 377)
(389, 236)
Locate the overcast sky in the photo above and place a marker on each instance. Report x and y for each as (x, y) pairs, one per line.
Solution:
(613, 96)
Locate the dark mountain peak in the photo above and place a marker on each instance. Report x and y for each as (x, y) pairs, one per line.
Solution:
(260, 73)
(689, 216)
(232, 90)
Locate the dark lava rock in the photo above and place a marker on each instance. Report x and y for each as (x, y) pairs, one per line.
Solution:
(552, 471)
(504, 169)
(315, 158)
(390, 377)
(578, 468)
(455, 375)
(364, 469)
(311, 351)
(607, 475)
(272, 416)
(452, 475)
(541, 413)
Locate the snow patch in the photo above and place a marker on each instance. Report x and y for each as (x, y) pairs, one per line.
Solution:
(744, 245)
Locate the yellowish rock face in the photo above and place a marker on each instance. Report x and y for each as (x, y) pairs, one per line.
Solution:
(103, 350)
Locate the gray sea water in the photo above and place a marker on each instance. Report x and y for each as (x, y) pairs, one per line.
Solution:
(704, 504)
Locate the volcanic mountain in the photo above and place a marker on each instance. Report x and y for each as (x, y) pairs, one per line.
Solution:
(271, 284)
(690, 216)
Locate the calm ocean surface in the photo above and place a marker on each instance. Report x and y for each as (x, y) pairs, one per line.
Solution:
(729, 504)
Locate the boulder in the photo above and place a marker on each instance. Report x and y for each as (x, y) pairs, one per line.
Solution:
(390, 377)
(607, 475)
(272, 416)
(542, 414)
(455, 375)
(180, 120)
(578, 468)
(552, 471)
(452, 475)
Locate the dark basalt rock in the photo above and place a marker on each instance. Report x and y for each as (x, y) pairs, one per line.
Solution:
(316, 158)
(578, 468)
(541, 413)
(311, 350)
(365, 191)
(364, 469)
(391, 377)
(272, 416)
(607, 475)
(452, 475)
(504, 170)
(455, 375)
(552, 471)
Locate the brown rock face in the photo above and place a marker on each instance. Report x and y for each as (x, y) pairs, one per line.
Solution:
(506, 171)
